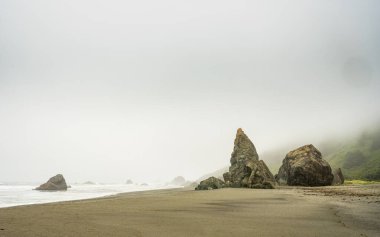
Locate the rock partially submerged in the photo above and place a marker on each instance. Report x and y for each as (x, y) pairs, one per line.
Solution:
(56, 183)
(338, 177)
(89, 183)
(210, 183)
(304, 166)
(246, 169)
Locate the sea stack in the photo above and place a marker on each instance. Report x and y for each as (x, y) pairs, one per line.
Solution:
(246, 169)
(179, 180)
(56, 183)
(304, 166)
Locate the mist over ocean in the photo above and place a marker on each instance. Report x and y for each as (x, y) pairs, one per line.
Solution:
(23, 194)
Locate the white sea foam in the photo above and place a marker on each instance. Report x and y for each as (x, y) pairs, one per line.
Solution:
(15, 195)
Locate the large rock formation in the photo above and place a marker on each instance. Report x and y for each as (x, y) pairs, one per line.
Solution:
(210, 183)
(246, 169)
(54, 184)
(338, 177)
(305, 167)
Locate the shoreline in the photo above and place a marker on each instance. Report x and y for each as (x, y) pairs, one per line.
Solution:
(89, 199)
(286, 211)
(78, 196)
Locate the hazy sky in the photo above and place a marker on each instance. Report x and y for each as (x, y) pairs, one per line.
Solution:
(148, 90)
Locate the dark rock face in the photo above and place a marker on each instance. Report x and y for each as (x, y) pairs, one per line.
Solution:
(305, 167)
(55, 183)
(338, 177)
(246, 169)
(210, 183)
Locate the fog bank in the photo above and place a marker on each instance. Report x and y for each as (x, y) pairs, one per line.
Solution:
(148, 90)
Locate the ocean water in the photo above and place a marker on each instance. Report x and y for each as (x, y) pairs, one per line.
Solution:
(15, 195)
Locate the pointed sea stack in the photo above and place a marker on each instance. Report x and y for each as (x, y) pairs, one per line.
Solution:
(246, 169)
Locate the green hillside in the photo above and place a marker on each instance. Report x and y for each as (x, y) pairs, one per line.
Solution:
(359, 159)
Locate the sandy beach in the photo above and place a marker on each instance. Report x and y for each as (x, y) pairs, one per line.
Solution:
(327, 211)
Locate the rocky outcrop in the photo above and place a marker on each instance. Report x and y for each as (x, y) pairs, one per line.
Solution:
(55, 183)
(246, 169)
(179, 180)
(338, 177)
(305, 167)
(210, 183)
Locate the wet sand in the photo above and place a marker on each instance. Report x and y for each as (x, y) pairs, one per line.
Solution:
(329, 211)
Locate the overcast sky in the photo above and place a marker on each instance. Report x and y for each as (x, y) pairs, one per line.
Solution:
(148, 90)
